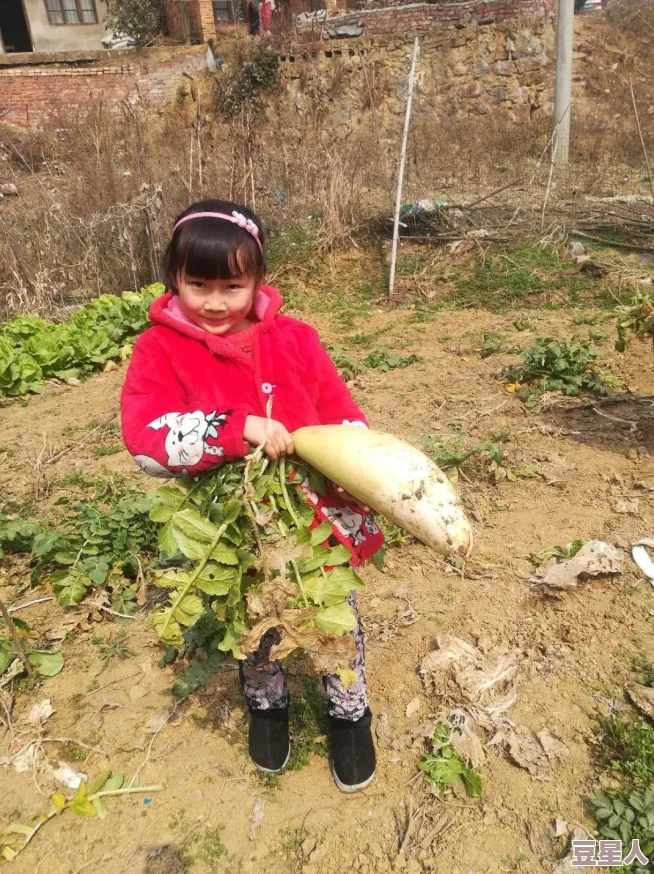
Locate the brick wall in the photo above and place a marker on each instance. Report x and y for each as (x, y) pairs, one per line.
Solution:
(173, 16)
(203, 24)
(35, 92)
(203, 19)
(399, 18)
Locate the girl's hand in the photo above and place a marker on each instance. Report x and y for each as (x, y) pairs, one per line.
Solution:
(277, 439)
(346, 496)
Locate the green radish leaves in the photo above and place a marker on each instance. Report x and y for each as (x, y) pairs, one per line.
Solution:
(245, 560)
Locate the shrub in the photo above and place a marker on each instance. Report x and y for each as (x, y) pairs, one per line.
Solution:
(140, 19)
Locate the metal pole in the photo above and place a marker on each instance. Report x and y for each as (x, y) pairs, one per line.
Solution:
(563, 90)
(400, 175)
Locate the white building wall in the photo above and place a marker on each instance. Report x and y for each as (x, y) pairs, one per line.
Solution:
(48, 37)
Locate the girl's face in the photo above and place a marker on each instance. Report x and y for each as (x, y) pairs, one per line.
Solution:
(220, 306)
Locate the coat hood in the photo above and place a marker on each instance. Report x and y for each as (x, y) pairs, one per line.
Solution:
(166, 312)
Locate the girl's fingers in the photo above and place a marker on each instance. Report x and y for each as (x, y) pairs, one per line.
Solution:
(348, 497)
(279, 442)
(285, 441)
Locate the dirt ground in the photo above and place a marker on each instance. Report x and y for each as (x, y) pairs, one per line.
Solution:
(575, 646)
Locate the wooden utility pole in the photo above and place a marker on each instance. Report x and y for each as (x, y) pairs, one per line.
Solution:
(400, 175)
(563, 90)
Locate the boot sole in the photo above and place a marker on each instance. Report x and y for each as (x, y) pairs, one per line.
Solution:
(357, 788)
(274, 770)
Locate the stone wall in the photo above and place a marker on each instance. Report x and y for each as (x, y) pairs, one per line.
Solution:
(399, 17)
(37, 88)
(472, 70)
(502, 68)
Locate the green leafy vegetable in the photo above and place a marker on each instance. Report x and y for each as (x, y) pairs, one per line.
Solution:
(17, 534)
(32, 350)
(48, 664)
(556, 365)
(244, 555)
(45, 663)
(626, 816)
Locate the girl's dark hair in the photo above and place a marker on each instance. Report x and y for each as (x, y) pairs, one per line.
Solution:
(211, 248)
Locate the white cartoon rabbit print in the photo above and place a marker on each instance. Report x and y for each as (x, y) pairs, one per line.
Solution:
(186, 440)
(348, 522)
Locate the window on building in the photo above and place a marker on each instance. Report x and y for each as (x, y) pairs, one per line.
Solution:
(222, 10)
(227, 10)
(71, 11)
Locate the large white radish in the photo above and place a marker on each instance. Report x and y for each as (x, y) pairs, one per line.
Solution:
(395, 479)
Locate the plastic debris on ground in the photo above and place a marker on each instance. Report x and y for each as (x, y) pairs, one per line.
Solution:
(345, 31)
(316, 17)
(627, 508)
(483, 686)
(428, 204)
(383, 730)
(643, 559)
(158, 721)
(560, 829)
(40, 713)
(486, 682)
(594, 559)
(465, 738)
(69, 778)
(118, 41)
(22, 757)
(533, 753)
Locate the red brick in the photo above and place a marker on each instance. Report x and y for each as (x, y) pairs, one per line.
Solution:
(31, 96)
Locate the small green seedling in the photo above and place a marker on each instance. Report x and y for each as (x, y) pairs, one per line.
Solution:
(114, 648)
(569, 551)
(635, 320)
(443, 766)
(87, 801)
(450, 454)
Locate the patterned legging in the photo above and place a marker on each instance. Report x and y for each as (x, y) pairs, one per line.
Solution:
(264, 686)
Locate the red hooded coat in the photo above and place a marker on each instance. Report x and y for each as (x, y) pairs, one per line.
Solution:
(188, 392)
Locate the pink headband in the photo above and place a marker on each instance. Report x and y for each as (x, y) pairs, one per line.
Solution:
(236, 218)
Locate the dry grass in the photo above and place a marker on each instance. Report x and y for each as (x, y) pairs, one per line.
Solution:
(635, 16)
(98, 196)
(98, 192)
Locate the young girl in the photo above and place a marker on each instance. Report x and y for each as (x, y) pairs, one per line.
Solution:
(195, 396)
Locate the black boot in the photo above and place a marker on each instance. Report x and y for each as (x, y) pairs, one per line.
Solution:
(353, 752)
(269, 744)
